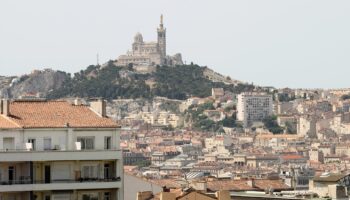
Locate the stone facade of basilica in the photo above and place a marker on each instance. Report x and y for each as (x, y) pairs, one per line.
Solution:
(149, 53)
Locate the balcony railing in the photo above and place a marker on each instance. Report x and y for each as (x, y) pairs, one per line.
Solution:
(80, 180)
(55, 150)
(58, 155)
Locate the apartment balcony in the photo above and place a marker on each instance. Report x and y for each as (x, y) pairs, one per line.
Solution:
(59, 155)
(80, 184)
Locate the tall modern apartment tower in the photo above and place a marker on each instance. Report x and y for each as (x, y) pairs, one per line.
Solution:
(253, 107)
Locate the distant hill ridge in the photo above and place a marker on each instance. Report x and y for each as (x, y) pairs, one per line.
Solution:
(112, 82)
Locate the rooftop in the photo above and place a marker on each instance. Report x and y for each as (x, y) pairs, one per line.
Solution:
(52, 114)
(330, 177)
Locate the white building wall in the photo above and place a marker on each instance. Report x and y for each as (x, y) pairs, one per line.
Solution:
(61, 167)
(253, 107)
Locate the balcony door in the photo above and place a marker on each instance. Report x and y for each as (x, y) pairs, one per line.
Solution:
(107, 171)
(47, 174)
(33, 142)
(12, 174)
(47, 144)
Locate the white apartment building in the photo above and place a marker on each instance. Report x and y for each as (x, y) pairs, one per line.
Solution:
(56, 150)
(253, 107)
(161, 118)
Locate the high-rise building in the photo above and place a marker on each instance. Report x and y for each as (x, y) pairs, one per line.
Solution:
(253, 107)
(56, 150)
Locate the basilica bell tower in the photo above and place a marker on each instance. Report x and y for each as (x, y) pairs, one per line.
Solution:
(162, 39)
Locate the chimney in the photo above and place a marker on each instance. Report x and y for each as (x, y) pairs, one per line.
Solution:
(99, 107)
(167, 196)
(77, 102)
(144, 195)
(5, 107)
(223, 195)
(165, 189)
(251, 183)
(200, 185)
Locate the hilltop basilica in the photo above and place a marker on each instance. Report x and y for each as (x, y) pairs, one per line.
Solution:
(149, 53)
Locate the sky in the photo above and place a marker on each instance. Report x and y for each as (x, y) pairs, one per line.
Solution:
(289, 43)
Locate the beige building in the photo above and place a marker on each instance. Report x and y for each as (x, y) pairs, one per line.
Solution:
(162, 118)
(55, 150)
(253, 107)
(316, 155)
(330, 185)
(217, 93)
(306, 126)
(149, 53)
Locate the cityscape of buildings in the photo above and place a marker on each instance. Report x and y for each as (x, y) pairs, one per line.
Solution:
(307, 159)
(267, 143)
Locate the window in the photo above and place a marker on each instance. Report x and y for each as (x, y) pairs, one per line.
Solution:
(107, 196)
(86, 142)
(108, 144)
(47, 143)
(107, 171)
(11, 197)
(32, 141)
(8, 143)
(89, 172)
(90, 197)
(11, 173)
(61, 196)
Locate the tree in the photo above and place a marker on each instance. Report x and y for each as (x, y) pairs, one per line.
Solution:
(229, 122)
(290, 128)
(130, 67)
(271, 124)
(179, 82)
(345, 97)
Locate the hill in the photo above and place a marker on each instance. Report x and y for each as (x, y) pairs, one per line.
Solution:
(36, 84)
(112, 82)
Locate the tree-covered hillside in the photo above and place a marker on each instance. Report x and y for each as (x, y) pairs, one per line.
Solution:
(111, 82)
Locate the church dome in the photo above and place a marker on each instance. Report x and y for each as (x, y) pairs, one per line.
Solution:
(138, 38)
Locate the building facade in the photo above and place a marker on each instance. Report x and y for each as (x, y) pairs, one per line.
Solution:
(149, 53)
(253, 107)
(56, 150)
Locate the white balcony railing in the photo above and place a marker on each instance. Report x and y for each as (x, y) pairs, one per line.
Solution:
(58, 155)
(17, 186)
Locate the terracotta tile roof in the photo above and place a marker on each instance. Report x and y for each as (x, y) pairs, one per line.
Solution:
(231, 185)
(242, 185)
(6, 123)
(53, 114)
(285, 136)
(275, 184)
(169, 183)
(292, 157)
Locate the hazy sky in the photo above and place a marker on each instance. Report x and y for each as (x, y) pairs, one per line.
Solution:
(295, 43)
